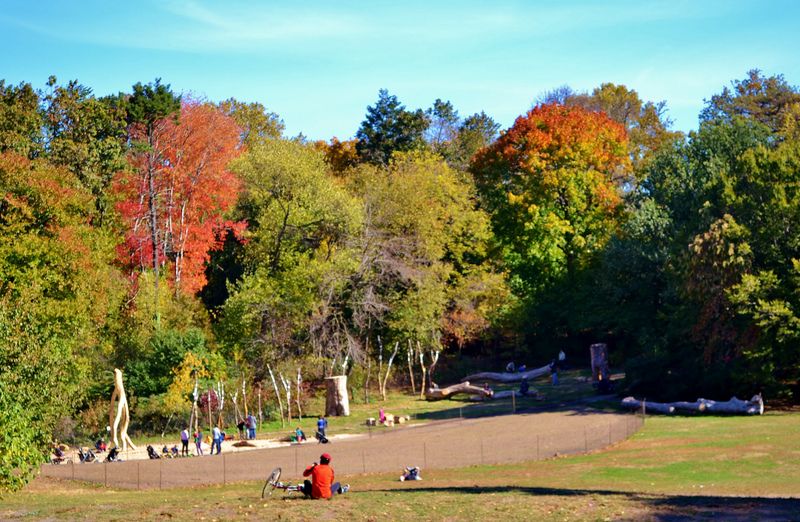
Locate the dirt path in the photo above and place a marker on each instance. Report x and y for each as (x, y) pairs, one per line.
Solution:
(442, 444)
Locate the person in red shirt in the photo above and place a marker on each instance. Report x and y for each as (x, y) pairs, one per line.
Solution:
(321, 484)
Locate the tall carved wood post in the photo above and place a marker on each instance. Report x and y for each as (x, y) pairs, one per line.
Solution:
(337, 403)
(122, 420)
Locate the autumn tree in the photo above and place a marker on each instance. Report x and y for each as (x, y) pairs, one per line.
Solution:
(548, 182)
(339, 155)
(148, 111)
(183, 203)
(646, 123)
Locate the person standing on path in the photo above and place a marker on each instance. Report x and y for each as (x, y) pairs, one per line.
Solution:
(185, 442)
(216, 440)
(322, 425)
(198, 442)
(251, 427)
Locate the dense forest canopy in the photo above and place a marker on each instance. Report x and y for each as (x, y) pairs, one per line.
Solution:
(184, 240)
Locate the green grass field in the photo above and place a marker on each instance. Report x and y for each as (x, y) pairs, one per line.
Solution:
(723, 468)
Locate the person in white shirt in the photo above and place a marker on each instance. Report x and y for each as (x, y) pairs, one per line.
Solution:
(216, 436)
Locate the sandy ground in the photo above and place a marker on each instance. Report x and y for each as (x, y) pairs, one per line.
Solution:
(229, 446)
(436, 444)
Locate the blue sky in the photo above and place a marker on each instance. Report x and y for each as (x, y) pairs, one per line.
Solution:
(319, 64)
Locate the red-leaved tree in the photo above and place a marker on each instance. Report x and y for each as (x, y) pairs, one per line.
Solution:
(182, 184)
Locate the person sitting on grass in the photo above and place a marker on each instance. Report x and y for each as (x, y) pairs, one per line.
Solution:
(410, 473)
(299, 435)
(100, 445)
(321, 484)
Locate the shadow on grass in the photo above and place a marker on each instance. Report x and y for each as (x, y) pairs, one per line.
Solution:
(667, 508)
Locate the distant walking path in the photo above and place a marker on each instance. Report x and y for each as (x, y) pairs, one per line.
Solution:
(439, 444)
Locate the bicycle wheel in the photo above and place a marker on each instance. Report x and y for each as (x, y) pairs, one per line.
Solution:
(272, 479)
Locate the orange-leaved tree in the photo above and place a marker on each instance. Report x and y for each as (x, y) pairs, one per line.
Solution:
(192, 193)
(548, 183)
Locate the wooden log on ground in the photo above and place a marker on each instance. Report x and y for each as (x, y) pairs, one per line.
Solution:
(509, 376)
(754, 406)
(436, 393)
(658, 407)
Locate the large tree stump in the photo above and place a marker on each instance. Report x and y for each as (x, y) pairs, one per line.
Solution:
(509, 377)
(436, 393)
(599, 360)
(337, 403)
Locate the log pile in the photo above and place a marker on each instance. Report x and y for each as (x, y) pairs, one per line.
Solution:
(754, 406)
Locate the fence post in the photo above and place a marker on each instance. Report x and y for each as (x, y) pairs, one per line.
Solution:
(363, 462)
(513, 403)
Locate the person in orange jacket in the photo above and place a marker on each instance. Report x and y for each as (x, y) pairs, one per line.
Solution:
(321, 484)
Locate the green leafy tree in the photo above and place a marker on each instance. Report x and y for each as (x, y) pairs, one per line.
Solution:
(299, 222)
(765, 99)
(389, 127)
(20, 120)
(256, 122)
(85, 135)
(58, 290)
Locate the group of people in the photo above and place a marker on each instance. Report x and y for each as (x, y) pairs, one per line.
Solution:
(322, 427)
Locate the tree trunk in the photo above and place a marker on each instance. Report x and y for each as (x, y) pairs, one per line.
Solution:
(389, 370)
(422, 368)
(509, 377)
(435, 394)
(297, 396)
(288, 389)
(410, 357)
(337, 403)
(754, 406)
(435, 360)
(277, 395)
(369, 371)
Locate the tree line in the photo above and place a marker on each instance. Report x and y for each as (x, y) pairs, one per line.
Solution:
(187, 241)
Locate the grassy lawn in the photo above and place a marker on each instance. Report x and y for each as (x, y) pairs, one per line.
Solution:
(727, 468)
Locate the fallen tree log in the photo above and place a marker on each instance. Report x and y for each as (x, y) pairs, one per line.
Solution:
(435, 393)
(754, 406)
(509, 376)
